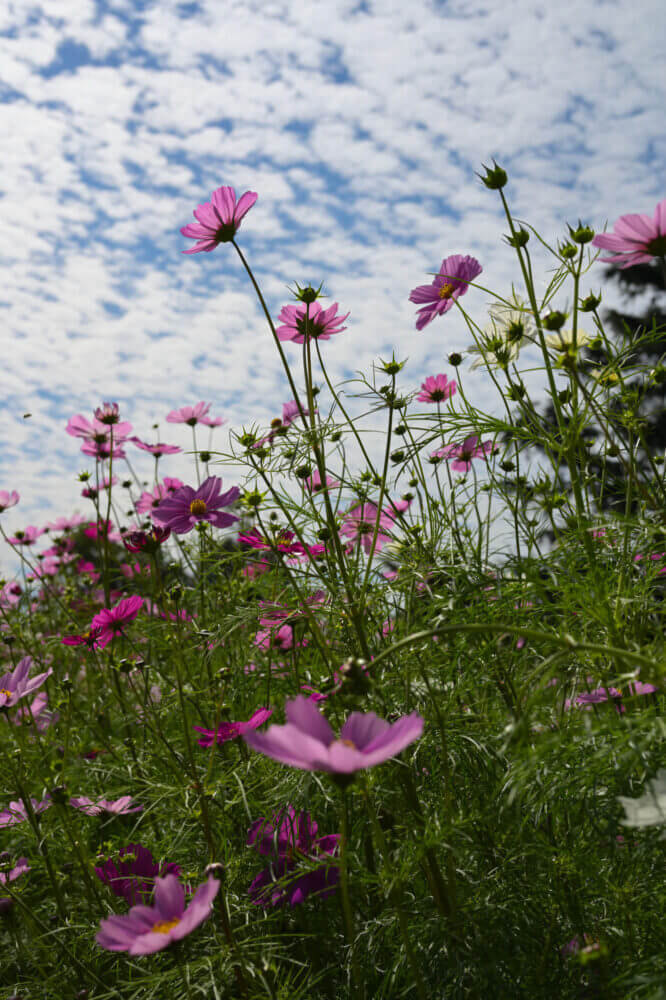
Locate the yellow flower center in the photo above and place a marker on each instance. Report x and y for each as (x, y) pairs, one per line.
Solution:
(446, 291)
(7, 693)
(347, 743)
(164, 926)
(198, 507)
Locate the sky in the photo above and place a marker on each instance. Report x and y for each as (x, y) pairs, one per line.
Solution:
(359, 124)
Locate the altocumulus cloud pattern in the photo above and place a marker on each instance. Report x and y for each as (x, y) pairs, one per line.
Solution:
(359, 124)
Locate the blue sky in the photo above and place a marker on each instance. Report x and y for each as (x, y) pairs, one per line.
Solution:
(360, 125)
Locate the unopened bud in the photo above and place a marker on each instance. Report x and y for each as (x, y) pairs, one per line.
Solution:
(581, 235)
(554, 320)
(519, 239)
(495, 179)
(590, 303)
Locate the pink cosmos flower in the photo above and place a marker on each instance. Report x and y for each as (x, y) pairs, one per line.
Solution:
(17, 812)
(37, 713)
(66, 523)
(280, 425)
(109, 623)
(313, 483)
(308, 742)
(138, 541)
(283, 542)
(187, 506)
(359, 526)
(16, 684)
(121, 807)
(462, 454)
(322, 323)
(10, 594)
(436, 389)
(193, 415)
(451, 282)
(27, 537)
(108, 413)
(20, 868)
(97, 431)
(278, 614)
(92, 491)
(98, 529)
(635, 239)
(147, 929)
(103, 450)
(157, 450)
(218, 220)
(230, 730)
(288, 838)
(147, 501)
(277, 638)
(132, 874)
(8, 500)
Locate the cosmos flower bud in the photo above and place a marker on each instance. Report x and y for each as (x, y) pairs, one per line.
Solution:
(519, 239)
(581, 235)
(554, 320)
(590, 303)
(495, 179)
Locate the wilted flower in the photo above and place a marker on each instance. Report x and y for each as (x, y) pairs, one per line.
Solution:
(308, 742)
(291, 838)
(218, 219)
(635, 239)
(451, 282)
(147, 929)
(187, 506)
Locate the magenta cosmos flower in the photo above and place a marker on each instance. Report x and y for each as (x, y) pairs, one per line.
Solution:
(288, 839)
(230, 730)
(448, 285)
(186, 506)
(308, 742)
(16, 684)
(436, 389)
(635, 239)
(110, 622)
(146, 929)
(26, 537)
(218, 220)
(461, 455)
(132, 873)
(193, 415)
(321, 323)
(8, 499)
(120, 807)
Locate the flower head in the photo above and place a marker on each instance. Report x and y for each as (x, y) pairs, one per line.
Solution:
(231, 730)
(311, 321)
(20, 868)
(635, 239)
(193, 415)
(359, 526)
(120, 807)
(451, 282)
(8, 499)
(218, 220)
(436, 389)
(146, 929)
(17, 812)
(132, 873)
(16, 684)
(186, 506)
(26, 537)
(461, 455)
(290, 838)
(148, 501)
(111, 621)
(308, 742)
(157, 450)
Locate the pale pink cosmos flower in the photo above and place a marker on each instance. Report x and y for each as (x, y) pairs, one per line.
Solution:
(147, 929)
(321, 323)
(193, 415)
(461, 455)
(635, 239)
(218, 220)
(26, 537)
(147, 501)
(36, 713)
(96, 430)
(20, 868)
(308, 742)
(17, 812)
(359, 526)
(120, 807)
(156, 450)
(16, 684)
(313, 483)
(8, 499)
(451, 282)
(66, 523)
(436, 389)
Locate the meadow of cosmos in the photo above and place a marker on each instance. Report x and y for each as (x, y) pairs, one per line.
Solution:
(381, 718)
